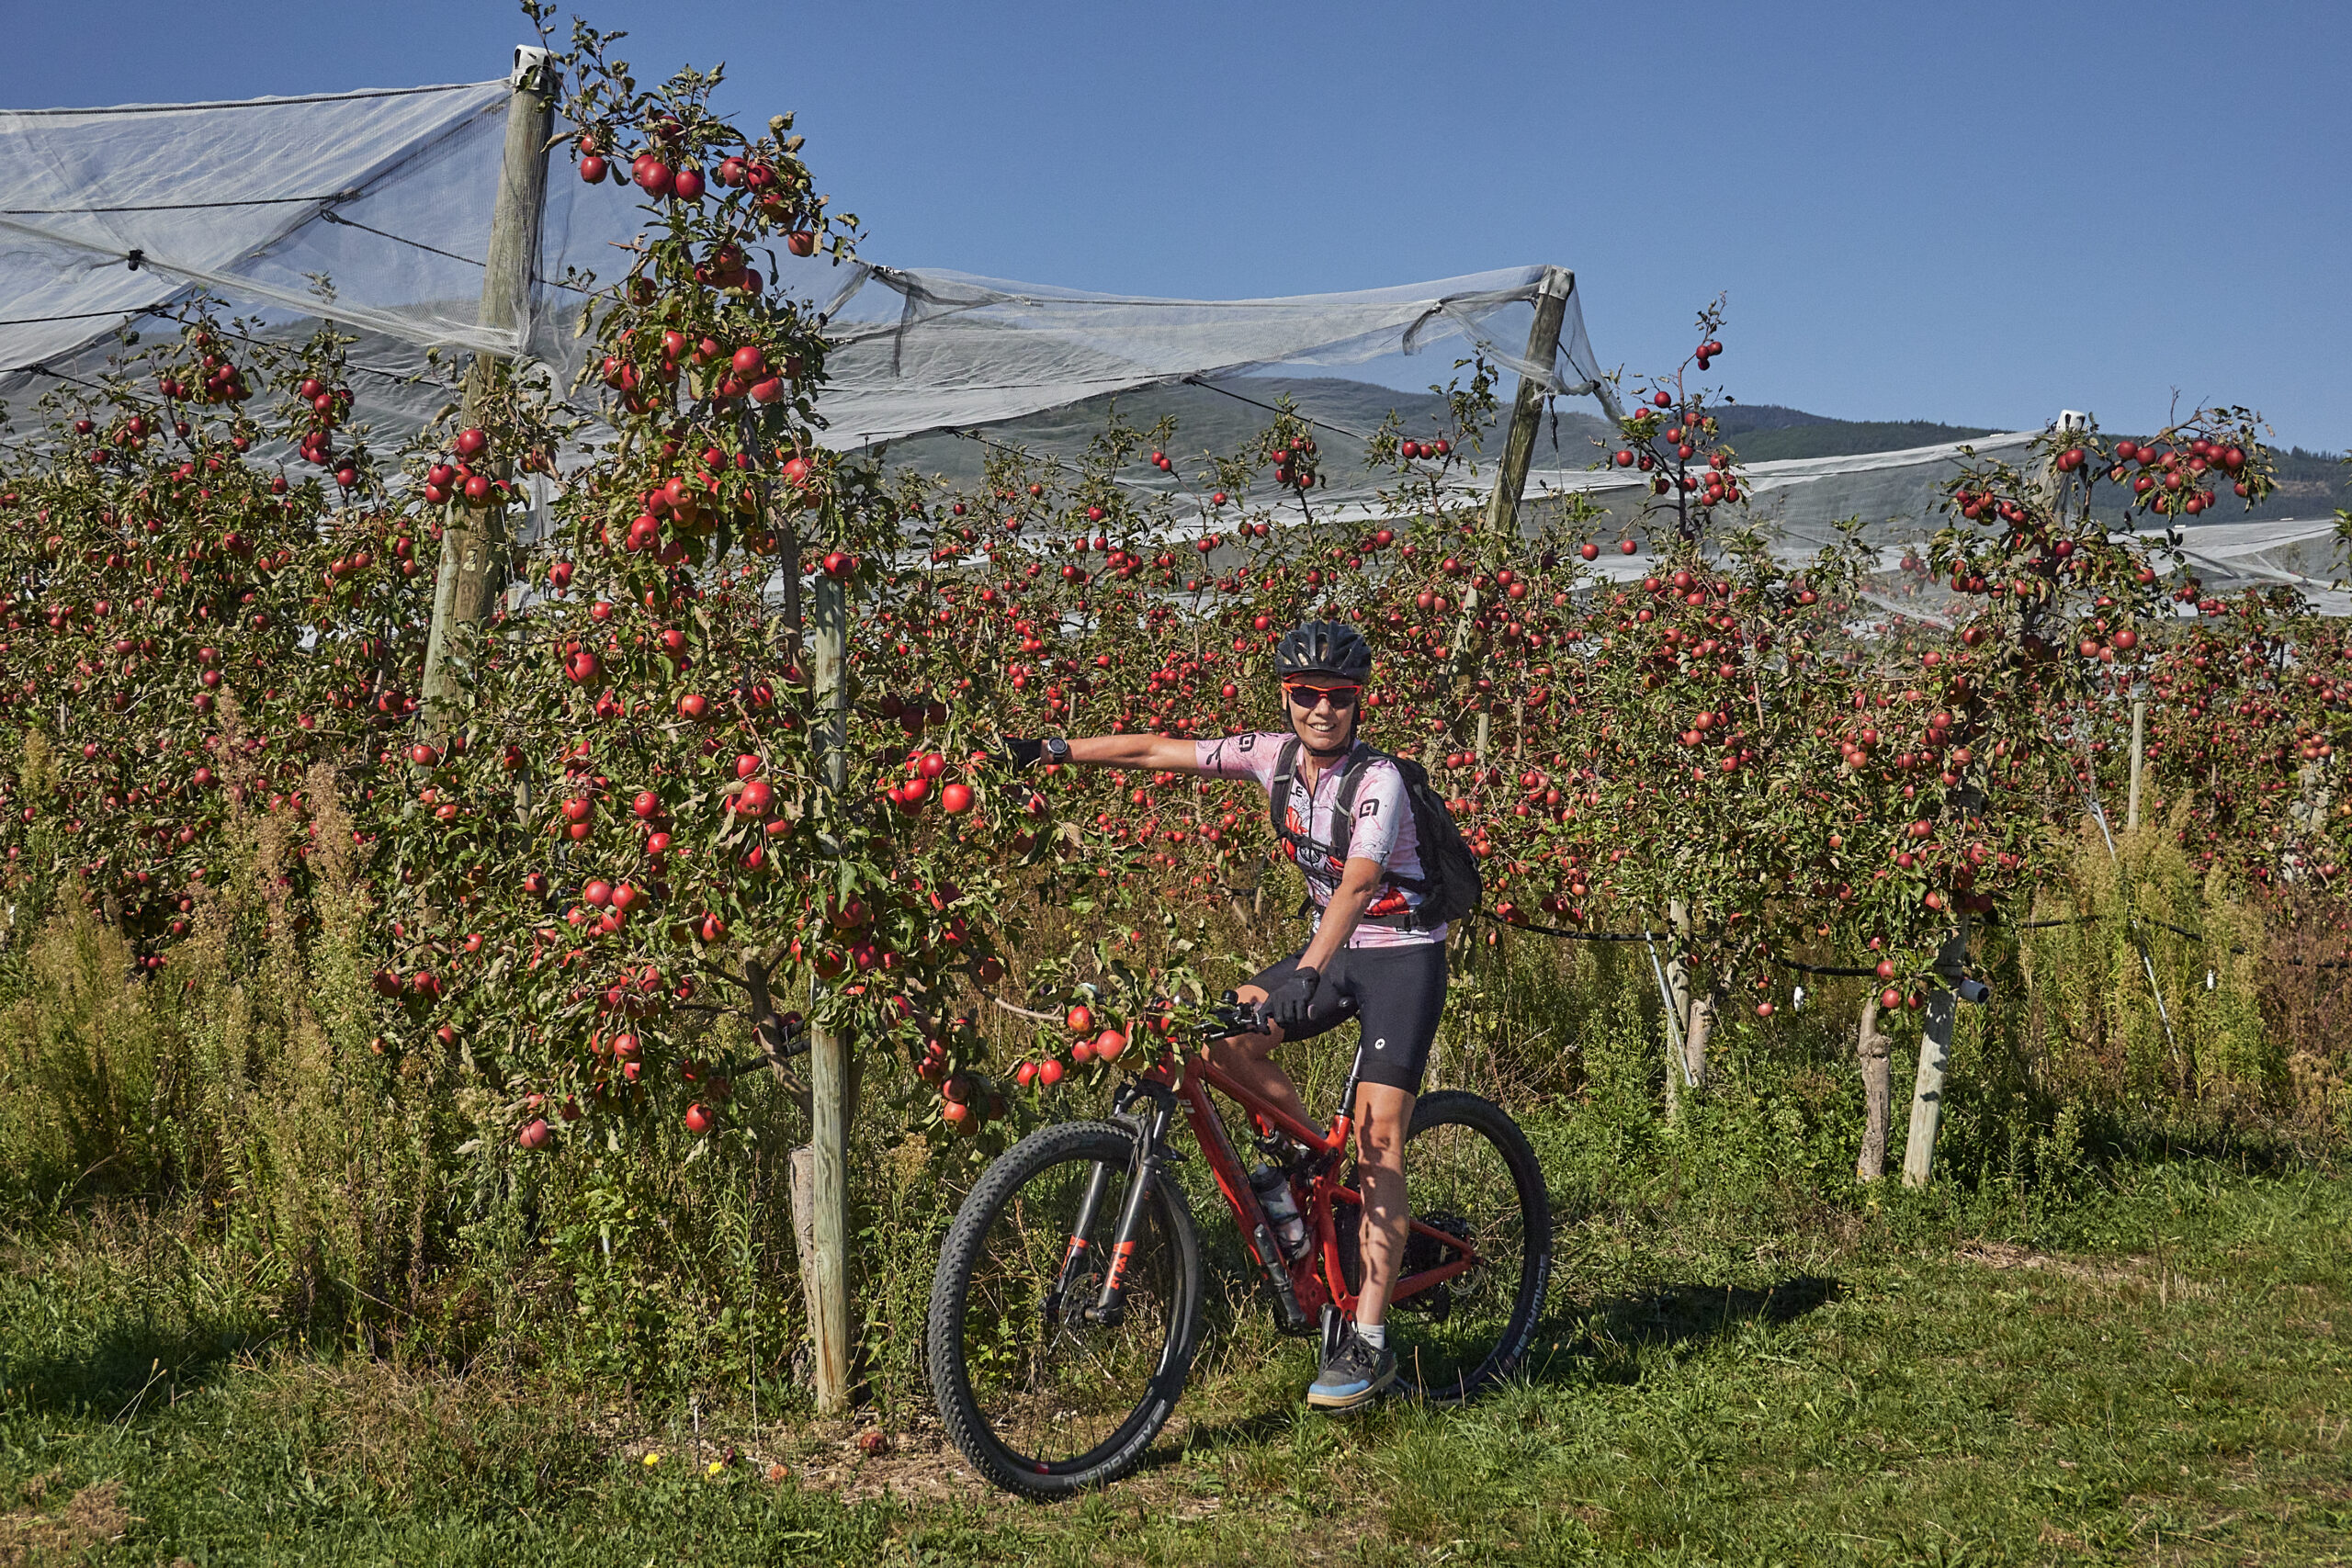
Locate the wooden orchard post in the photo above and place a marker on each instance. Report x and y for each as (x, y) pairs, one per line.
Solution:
(473, 550)
(1695, 1035)
(1935, 1062)
(829, 1088)
(2139, 754)
(1877, 1095)
(1518, 450)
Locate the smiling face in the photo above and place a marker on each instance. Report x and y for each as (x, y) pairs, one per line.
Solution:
(1322, 712)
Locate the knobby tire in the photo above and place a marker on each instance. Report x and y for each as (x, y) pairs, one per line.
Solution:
(995, 1364)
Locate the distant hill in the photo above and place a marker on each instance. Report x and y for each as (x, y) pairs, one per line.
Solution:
(1221, 421)
(1762, 432)
(1209, 419)
(2311, 484)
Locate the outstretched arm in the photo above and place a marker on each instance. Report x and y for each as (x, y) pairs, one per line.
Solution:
(1164, 753)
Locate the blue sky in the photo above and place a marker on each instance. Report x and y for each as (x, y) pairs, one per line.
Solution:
(1978, 214)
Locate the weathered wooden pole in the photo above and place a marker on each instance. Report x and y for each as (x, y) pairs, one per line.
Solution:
(829, 1085)
(1695, 1036)
(1518, 450)
(473, 548)
(1935, 1061)
(1527, 411)
(1878, 1094)
(2139, 753)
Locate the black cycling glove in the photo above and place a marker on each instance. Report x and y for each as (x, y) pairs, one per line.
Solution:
(1017, 754)
(1292, 1003)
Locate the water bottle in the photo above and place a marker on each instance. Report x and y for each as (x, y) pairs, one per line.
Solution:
(1282, 1209)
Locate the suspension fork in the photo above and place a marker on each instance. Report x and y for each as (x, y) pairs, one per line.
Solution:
(1151, 1159)
(1074, 1254)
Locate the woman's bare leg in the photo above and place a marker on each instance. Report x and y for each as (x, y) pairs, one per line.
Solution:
(1383, 1115)
(1243, 1058)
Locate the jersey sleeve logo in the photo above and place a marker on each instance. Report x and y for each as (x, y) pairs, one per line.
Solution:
(1368, 808)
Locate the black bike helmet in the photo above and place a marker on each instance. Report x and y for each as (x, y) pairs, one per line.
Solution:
(1331, 649)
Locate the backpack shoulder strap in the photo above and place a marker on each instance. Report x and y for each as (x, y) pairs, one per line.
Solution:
(1343, 811)
(1286, 773)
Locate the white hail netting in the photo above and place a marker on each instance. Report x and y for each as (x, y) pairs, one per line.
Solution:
(385, 198)
(940, 349)
(373, 209)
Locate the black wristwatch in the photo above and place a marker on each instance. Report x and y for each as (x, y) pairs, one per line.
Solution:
(1057, 748)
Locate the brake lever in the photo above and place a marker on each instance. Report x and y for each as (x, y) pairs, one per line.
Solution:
(1236, 1017)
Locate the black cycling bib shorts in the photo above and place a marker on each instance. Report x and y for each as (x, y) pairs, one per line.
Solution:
(1396, 993)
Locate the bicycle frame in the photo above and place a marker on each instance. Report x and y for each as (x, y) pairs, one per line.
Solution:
(1304, 1287)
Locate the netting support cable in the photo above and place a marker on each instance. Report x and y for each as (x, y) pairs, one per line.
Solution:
(1208, 386)
(330, 216)
(176, 206)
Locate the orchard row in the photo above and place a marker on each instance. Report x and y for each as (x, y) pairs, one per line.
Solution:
(637, 808)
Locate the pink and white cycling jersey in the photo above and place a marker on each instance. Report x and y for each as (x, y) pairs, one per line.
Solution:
(1383, 830)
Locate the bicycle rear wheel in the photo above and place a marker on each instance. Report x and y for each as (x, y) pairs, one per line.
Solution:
(1040, 1395)
(1472, 1176)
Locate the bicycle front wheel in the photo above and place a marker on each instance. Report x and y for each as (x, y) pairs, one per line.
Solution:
(1042, 1393)
(1471, 1176)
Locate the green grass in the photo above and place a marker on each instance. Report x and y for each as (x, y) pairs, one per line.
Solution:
(2159, 1374)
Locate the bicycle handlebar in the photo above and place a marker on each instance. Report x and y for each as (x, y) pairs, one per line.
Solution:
(1234, 1016)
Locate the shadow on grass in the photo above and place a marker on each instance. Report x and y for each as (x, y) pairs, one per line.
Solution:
(1607, 1347)
(1612, 1335)
(123, 1372)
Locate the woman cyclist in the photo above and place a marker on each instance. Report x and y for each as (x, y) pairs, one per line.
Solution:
(1369, 958)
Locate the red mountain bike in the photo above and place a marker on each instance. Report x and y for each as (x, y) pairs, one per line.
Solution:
(1066, 1307)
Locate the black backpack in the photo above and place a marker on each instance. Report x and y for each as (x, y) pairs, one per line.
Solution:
(1450, 885)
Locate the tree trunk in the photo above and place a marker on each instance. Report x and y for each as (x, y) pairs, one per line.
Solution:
(1877, 1095)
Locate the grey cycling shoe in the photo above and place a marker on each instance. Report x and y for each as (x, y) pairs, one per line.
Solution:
(1355, 1375)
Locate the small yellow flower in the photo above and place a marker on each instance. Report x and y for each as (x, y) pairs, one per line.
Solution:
(716, 1466)
(652, 1460)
